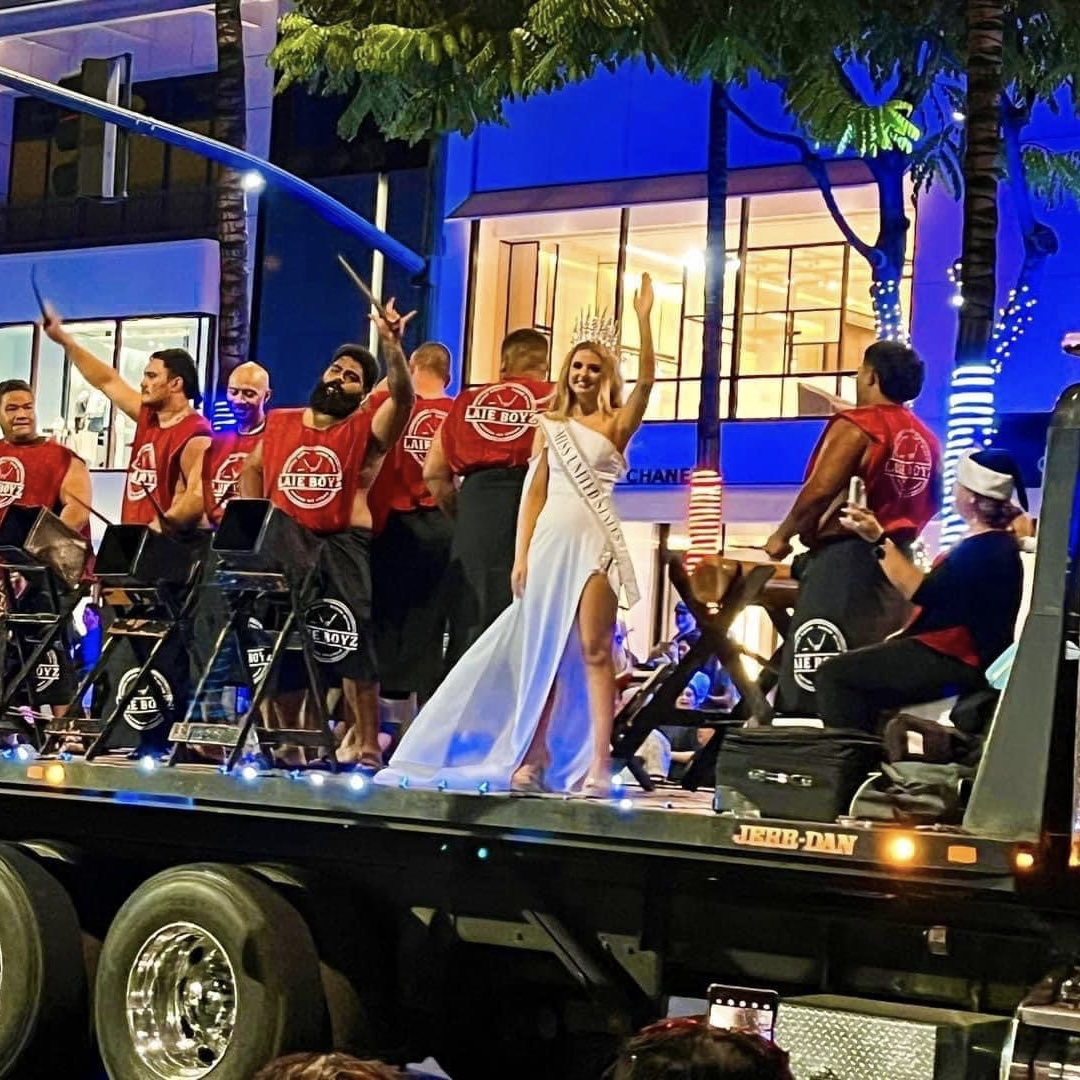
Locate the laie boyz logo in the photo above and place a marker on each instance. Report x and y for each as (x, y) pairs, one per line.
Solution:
(815, 642)
(47, 671)
(226, 481)
(421, 430)
(12, 480)
(311, 477)
(142, 473)
(144, 709)
(258, 656)
(502, 412)
(911, 464)
(333, 631)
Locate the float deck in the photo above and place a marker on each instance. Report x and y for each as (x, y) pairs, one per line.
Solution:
(669, 823)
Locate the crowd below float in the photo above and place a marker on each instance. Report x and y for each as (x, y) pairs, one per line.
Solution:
(469, 563)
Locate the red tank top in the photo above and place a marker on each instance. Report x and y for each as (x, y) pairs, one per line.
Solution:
(154, 466)
(400, 484)
(222, 465)
(901, 470)
(493, 426)
(313, 475)
(31, 474)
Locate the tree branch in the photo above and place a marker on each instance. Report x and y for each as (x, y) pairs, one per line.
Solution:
(820, 173)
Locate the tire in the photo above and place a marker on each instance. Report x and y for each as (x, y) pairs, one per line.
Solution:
(43, 1001)
(355, 942)
(259, 947)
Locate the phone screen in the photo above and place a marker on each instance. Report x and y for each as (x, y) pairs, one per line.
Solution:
(740, 1008)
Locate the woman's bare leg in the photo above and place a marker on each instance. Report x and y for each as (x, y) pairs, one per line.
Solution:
(596, 622)
(529, 775)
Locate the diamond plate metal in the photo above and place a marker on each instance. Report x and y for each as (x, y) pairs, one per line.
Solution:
(827, 1044)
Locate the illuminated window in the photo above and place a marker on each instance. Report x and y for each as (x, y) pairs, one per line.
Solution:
(16, 352)
(797, 315)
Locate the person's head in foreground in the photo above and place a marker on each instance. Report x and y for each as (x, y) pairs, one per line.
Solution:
(891, 373)
(330, 1066)
(689, 1049)
(986, 483)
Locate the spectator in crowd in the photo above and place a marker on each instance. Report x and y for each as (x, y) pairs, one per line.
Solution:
(330, 1066)
(688, 1048)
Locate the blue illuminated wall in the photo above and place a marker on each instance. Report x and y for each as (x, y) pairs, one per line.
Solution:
(306, 305)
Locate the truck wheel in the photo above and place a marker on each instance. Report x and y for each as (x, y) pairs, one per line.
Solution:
(205, 969)
(43, 1011)
(356, 955)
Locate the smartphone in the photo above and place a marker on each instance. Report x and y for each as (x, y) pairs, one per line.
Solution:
(856, 494)
(742, 1008)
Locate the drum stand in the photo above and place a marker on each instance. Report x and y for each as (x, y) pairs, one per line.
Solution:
(264, 560)
(654, 705)
(36, 544)
(148, 576)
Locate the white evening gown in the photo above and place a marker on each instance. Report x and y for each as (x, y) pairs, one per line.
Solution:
(477, 726)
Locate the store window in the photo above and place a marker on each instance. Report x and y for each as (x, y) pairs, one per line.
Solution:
(797, 315)
(81, 416)
(138, 339)
(16, 352)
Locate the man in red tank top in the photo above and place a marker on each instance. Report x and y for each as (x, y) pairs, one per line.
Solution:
(475, 469)
(844, 601)
(164, 478)
(412, 541)
(35, 471)
(247, 393)
(317, 465)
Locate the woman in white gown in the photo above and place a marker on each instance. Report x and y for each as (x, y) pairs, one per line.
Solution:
(530, 706)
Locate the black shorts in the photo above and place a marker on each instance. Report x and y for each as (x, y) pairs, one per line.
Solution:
(55, 678)
(337, 613)
(844, 602)
(481, 555)
(409, 560)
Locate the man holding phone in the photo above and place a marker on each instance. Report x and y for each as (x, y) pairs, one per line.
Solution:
(844, 601)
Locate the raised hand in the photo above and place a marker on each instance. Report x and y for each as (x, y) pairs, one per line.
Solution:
(643, 297)
(53, 325)
(391, 325)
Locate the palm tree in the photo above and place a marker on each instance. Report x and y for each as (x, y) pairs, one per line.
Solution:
(986, 38)
(971, 418)
(708, 429)
(231, 126)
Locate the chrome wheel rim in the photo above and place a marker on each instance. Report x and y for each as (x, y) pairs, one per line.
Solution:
(181, 1002)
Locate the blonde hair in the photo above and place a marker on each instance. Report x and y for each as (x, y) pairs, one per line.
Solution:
(611, 383)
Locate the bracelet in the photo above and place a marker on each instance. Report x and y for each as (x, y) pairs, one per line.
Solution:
(879, 547)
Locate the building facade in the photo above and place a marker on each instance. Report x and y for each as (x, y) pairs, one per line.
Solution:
(555, 214)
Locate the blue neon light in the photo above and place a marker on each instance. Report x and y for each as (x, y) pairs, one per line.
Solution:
(326, 207)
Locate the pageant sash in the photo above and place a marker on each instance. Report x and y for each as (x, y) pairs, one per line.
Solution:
(592, 493)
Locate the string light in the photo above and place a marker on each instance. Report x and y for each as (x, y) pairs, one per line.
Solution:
(972, 415)
(703, 518)
(889, 322)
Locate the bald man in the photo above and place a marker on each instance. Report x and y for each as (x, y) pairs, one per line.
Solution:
(247, 394)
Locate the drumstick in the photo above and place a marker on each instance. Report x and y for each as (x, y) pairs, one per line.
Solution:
(37, 292)
(359, 282)
(87, 506)
(162, 519)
